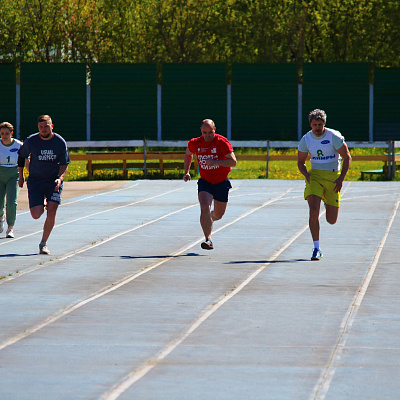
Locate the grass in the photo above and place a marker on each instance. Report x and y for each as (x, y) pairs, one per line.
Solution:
(243, 170)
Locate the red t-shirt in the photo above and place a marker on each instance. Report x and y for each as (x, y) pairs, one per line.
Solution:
(216, 149)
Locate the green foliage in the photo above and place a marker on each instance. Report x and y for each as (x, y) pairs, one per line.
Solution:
(200, 31)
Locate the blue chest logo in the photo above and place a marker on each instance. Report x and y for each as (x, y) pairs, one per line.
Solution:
(13, 150)
(325, 141)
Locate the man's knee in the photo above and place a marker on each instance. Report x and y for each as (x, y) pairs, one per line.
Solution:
(331, 219)
(205, 208)
(36, 212)
(51, 214)
(51, 210)
(216, 216)
(219, 210)
(332, 214)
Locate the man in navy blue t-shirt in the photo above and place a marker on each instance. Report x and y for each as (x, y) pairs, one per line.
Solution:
(48, 164)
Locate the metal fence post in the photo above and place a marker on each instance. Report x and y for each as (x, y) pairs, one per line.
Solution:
(88, 112)
(393, 160)
(18, 109)
(144, 158)
(390, 160)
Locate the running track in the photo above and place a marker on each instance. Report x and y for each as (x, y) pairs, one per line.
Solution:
(128, 306)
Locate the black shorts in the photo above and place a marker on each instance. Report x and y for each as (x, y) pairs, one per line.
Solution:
(43, 189)
(219, 191)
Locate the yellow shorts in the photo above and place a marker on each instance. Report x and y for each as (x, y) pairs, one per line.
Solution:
(322, 184)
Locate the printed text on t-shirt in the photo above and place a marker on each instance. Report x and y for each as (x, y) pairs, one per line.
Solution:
(202, 161)
(47, 155)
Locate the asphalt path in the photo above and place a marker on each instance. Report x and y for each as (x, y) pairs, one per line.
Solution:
(128, 306)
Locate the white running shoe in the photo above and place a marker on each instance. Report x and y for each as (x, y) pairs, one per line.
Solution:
(43, 248)
(10, 233)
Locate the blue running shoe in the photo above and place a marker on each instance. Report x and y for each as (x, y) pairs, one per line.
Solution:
(316, 255)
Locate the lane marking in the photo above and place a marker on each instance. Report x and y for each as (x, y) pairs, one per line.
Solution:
(144, 369)
(68, 202)
(130, 379)
(91, 215)
(372, 196)
(368, 196)
(116, 285)
(88, 247)
(91, 246)
(324, 382)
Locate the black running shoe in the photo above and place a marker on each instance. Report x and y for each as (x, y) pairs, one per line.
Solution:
(207, 245)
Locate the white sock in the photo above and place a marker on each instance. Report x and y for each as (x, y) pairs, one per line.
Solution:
(316, 244)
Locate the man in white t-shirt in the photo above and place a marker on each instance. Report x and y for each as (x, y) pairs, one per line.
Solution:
(324, 181)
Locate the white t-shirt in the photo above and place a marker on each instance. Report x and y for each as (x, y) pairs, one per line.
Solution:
(9, 154)
(323, 149)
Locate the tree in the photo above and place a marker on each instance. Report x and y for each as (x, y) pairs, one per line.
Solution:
(200, 31)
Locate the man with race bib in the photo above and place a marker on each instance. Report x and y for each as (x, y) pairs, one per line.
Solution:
(215, 157)
(325, 179)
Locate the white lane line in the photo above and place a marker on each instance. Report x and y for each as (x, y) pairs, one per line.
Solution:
(116, 285)
(91, 246)
(324, 382)
(117, 235)
(371, 196)
(144, 369)
(68, 202)
(91, 215)
(259, 194)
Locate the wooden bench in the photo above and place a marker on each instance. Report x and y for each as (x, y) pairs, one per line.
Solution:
(293, 157)
(372, 172)
(133, 161)
(175, 160)
(377, 157)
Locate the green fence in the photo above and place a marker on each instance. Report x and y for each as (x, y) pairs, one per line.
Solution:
(342, 90)
(387, 104)
(8, 94)
(123, 101)
(58, 90)
(264, 101)
(191, 93)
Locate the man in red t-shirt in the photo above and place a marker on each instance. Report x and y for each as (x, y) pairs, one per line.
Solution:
(215, 157)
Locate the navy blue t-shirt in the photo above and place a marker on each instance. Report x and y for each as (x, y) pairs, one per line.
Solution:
(46, 156)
